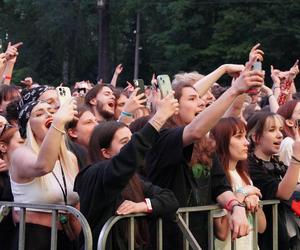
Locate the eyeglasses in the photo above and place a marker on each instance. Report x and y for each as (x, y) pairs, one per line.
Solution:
(5, 128)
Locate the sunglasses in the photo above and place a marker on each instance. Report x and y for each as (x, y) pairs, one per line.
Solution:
(5, 128)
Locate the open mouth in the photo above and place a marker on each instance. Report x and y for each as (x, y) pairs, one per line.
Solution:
(111, 104)
(48, 122)
(277, 143)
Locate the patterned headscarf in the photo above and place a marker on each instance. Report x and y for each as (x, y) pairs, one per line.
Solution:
(32, 95)
(24, 115)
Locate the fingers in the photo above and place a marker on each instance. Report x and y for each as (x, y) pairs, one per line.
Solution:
(17, 45)
(296, 63)
(249, 64)
(255, 47)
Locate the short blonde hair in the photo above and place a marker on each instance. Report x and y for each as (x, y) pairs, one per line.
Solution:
(184, 77)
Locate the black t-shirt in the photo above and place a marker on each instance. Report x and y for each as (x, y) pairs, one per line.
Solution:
(266, 175)
(167, 165)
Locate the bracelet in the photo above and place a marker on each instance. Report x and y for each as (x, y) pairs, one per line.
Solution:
(239, 204)
(59, 130)
(242, 191)
(126, 114)
(7, 77)
(149, 206)
(156, 124)
(228, 206)
(295, 159)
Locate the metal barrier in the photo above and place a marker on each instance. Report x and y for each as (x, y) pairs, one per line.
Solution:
(182, 216)
(5, 207)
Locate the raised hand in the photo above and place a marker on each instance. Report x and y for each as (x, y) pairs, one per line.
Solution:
(294, 70)
(134, 102)
(11, 52)
(67, 112)
(256, 53)
(234, 70)
(275, 76)
(248, 78)
(119, 69)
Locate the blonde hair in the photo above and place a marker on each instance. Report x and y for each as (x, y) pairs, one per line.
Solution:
(69, 166)
(191, 78)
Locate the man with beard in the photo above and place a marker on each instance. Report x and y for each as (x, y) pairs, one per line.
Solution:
(101, 100)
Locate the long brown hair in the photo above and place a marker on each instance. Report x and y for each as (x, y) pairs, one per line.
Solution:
(286, 111)
(102, 137)
(222, 133)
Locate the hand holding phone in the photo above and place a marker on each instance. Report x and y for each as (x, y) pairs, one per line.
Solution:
(164, 84)
(64, 94)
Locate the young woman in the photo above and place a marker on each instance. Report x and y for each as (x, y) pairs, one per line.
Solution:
(113, 186)
(232, 148)
(43, 171)
(290, 111)
(274, 179)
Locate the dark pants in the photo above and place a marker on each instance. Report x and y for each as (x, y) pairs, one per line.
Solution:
(38, 237)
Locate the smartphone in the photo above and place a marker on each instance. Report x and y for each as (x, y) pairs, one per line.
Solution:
(257, 65)
(164, 85)
(64, 94)
(139, 83)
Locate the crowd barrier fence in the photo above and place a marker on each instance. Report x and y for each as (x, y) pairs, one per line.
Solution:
(182, 219)
(55, 209)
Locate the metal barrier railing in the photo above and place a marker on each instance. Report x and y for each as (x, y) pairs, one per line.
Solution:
(55, 209)
(182, 217)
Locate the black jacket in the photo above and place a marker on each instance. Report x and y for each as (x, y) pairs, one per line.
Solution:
(100, 185)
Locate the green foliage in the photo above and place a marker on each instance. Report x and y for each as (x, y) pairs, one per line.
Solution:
(176, 35)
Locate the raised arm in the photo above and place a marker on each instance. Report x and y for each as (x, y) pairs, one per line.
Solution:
(204, 121)
(118, 71)
(26, 164)
(203, 85)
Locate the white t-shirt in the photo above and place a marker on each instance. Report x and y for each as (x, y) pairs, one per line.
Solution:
(286, 150)
(246, 242)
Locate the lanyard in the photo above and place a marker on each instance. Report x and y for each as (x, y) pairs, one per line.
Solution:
(63, 189)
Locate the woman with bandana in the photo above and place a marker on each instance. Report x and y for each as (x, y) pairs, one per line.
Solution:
(43, 172)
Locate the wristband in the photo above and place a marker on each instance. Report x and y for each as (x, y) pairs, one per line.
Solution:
(228, 205)
(126, 114)
(7, 77)
(149, 206)
(242, 191)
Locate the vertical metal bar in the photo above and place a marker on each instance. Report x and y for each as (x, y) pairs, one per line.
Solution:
(255, 239)
(159, 234)
(186, 217)
(233, 245)
(131, 234)
(54, 230)
(22, 228)
(210, 230)
(275, 226)
(137, 46)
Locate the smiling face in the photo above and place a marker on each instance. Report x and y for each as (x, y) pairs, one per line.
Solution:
(40, 120)
(189, 105)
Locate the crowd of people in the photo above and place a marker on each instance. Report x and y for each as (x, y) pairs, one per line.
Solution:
(116, 151)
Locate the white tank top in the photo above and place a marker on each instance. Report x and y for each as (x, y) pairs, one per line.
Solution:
(46, 189)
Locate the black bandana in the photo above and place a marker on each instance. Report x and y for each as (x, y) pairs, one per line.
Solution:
(24, 115)
(32, 95)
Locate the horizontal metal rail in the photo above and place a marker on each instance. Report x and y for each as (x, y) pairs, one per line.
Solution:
(5, 206)
(182, 217)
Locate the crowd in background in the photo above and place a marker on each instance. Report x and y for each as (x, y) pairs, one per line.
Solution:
(116, 151)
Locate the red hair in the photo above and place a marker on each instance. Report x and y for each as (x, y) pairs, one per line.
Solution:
(222, 133)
